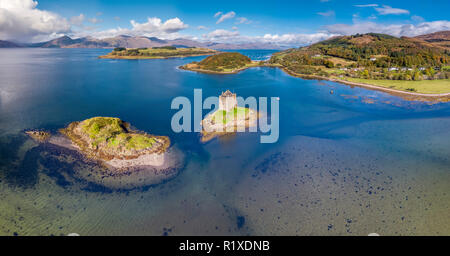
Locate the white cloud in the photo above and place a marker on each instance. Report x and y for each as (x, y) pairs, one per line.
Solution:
(366, 5)
(243, 20)
(153, 27)
(116, 18)
(393, 29)
(95, 20)
(202, 28)
(386, 10)
(225, 16)
(77, 20)
(289, 40)
(327, 14)
(296, 39)
(221, 34)
(22, 20)
(234, 28)
(417, 18)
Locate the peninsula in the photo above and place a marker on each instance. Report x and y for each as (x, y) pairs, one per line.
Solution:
(228, 119)
(162, 52)
(407, 67)
(222, 63)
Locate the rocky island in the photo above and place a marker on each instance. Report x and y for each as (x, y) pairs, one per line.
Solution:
(114, 155)
(111, 140)
(222, 63)
(228, 119)
(162, 52)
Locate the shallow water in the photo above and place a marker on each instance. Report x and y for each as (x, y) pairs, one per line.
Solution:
(342, 165)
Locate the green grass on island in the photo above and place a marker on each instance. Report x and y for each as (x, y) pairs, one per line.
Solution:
(156, 52)
(113, 132)
(227, 62)
(424, 86)
(224, 117)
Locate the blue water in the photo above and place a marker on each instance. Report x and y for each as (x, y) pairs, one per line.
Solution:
(356, 131)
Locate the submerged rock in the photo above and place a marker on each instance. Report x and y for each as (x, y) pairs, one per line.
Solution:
(39, 136)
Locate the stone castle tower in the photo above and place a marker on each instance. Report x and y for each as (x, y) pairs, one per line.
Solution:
(227, 101)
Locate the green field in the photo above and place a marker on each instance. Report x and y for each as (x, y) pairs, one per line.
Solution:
(112, 131)
(156, 53)
(424, 86)
(224, 117)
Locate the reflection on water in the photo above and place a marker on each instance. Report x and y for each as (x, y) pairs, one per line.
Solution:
(352, 162)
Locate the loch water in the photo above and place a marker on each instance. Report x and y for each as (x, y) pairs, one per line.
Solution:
(349, 161)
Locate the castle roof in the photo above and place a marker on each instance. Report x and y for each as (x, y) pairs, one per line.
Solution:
(227, 94)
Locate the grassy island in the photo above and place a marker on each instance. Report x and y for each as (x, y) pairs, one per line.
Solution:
(156, 53)
(107, 152)
(224, 122)
(228, 119)
(222, 63)
(106, 138)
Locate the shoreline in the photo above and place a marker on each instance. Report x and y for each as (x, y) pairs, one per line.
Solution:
(205, 71)
(442, 97)
(211, 131)
(412, 96)
(123, 177)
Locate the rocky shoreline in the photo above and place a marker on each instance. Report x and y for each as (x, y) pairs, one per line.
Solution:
(194, 68)
(444, 97)
(119, 167)
(212, 129)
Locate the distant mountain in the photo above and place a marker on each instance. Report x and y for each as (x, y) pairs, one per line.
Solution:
(441, 39)
(435, 40)
(8, 44)
(243, 46)
(61, 42)
(138, 42)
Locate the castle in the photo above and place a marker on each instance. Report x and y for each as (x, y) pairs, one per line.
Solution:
(227, 101)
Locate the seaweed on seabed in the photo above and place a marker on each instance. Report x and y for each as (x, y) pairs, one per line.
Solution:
(55, 168)
(17, 172)
(25, 175)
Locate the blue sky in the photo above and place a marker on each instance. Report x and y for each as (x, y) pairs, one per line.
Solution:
(284, 22)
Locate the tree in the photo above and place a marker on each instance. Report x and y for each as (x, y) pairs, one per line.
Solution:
(365, 74)
(417, 76)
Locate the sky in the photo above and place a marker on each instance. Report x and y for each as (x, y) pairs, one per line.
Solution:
(282, 22)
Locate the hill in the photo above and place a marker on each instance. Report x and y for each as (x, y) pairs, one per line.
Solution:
(226, 60)
(441, 39)
(222, 63)
(8, 44)
(371, 59)
(371, 49)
